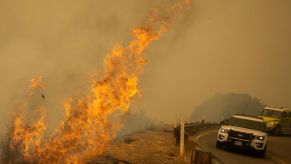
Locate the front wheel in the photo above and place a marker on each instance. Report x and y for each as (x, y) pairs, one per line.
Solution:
(219, 144)
(262, 153)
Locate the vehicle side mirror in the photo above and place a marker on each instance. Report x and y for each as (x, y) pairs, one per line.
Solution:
(224, 122)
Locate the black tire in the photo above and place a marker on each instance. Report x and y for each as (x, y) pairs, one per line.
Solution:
(277, 131)
(262, 153)
(219, 145)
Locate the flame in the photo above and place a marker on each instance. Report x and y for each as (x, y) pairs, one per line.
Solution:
(35, 84)
(86, 130)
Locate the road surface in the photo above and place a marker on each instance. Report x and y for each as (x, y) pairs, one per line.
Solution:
(278, 151)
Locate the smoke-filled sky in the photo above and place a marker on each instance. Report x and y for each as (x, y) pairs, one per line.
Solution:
(241, 46)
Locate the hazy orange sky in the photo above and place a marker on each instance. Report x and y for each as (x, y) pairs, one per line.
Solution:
(241, 46)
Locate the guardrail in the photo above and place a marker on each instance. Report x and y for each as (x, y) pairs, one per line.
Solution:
(193, 152)
(193, 128)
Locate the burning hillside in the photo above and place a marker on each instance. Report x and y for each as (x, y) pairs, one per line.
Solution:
(86, 129)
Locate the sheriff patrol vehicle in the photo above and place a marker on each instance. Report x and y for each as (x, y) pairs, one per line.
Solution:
(243, 132)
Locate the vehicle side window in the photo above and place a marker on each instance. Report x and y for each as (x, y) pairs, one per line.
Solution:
(285, 115)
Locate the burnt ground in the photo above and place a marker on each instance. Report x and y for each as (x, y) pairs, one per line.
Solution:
(149, 146)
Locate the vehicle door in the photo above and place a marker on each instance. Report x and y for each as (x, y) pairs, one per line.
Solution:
(285, 125)
(289, 121)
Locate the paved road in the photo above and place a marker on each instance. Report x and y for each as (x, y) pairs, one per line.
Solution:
(279, 151)
(280, 147)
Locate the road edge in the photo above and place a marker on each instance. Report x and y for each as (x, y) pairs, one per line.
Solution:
(217, 160)
(214, 159)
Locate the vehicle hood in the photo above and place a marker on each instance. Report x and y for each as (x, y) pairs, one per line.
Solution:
(269, 119)
(245, 130)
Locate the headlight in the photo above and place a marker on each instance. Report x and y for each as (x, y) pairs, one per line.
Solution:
(223, 130)
(273, 123)
(260, 137)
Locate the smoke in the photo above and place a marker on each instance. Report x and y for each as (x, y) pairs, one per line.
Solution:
(137, 121)
(86, 130)
(63, 41)
(222, 106)
(220, 46)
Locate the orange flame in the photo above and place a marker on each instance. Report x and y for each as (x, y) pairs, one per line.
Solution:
(86, 129)
(35, 84)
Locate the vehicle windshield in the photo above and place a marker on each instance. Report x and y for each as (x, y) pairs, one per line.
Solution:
(249, 124)
(271, 113)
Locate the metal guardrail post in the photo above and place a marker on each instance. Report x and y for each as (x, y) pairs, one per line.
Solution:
(188, 147)
(182, 139)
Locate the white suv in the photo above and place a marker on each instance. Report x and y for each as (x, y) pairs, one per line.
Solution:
(243, 132)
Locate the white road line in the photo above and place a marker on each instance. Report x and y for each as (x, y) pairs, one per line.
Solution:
(203, 134)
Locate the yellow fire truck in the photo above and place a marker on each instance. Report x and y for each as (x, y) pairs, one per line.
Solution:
(278, 120)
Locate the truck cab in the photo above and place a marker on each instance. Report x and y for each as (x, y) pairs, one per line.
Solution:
(278, 120)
